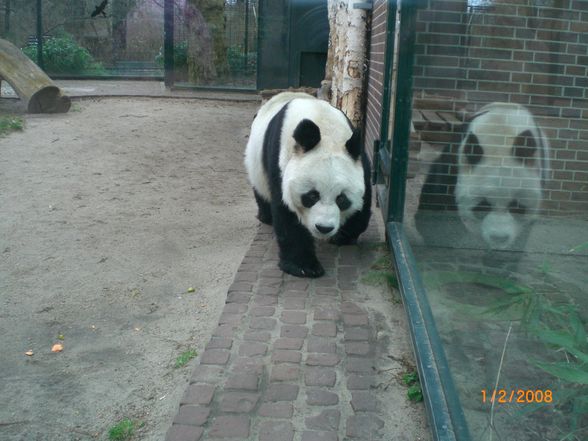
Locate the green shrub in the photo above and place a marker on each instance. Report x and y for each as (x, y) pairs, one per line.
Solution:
(10, 123)
(180, 55)
(63, 54)
(238, 62)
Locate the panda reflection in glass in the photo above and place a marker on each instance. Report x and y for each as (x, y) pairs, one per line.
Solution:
(310, 178)
(495, 179)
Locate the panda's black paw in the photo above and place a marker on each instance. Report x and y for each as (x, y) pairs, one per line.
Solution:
(311, 271)
(342, 239)
(264, 218)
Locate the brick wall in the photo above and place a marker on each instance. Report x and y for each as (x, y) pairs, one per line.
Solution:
(376, 73)
(533, 53)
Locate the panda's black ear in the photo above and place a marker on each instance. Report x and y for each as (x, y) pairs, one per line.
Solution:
(353, 145)
(307, 134)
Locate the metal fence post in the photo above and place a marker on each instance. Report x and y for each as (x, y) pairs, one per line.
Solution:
(168, 43)
(40, 61)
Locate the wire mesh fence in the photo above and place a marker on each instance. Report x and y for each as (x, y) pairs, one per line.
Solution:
(215, 41)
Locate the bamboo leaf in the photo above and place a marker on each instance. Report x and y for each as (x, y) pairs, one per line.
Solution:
(573, 373)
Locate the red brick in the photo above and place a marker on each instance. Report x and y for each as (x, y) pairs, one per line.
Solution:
(364, 427)
(320, 377)
(322, 360)
(179, 432)
(276, 410)
(232, 426)
(252, 349)
(312, 435)
(320, 397)
(192, 415)
(284, 356)
(324, 329)
(238, 402)
(276, 431)
(284, 372)
(281, 392)
(244, 381)
(198, 394)
(294, 331)
(294, 317)
(215, 356)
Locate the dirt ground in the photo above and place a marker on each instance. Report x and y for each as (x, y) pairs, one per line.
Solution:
(108, 214)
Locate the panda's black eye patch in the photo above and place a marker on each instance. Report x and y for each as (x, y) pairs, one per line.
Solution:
(472, 150)
(524, 147)
(482, 208)
(343, 202)
(515, 207)
(310, 198)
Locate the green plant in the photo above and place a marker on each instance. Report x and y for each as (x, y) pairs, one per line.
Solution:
(184, 358)
(414, 392)
(240, 63)
(123, 430)
(180, 55)
(562, 330)
(380, 273)
(556, 322)
(62, 54)
(10, 123)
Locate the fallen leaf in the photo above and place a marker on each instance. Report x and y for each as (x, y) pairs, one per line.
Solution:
(57, 347)
(29, 353)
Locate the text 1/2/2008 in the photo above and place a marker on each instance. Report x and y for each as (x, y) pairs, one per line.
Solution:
(523, 396)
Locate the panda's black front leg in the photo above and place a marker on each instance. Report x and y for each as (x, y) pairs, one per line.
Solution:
(264, 210)
(297, 255)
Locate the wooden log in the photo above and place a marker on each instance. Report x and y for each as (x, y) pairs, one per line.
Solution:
(31, 84)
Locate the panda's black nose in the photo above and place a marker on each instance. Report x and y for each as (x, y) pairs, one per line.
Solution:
(500, 239)
(325, 229)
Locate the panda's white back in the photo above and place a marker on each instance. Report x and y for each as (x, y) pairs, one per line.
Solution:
(334, 127)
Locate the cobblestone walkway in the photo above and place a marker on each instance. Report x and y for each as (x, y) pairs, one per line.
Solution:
(301, 360)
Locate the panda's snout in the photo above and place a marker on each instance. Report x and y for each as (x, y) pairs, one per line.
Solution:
(500, 240)
(324, 229)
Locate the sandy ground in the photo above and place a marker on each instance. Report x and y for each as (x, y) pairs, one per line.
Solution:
(108, 214)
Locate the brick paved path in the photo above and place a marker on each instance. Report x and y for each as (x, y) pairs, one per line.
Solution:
(296, 359)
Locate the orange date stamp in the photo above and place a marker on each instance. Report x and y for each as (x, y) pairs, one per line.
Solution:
(519, 396)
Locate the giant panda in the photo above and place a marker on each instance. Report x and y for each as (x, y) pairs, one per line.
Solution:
(310, 177)
(495, 178)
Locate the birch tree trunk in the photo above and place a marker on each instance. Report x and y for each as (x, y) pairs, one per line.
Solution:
(346, 58)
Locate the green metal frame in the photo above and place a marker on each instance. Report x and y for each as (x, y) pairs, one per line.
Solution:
(390, 171)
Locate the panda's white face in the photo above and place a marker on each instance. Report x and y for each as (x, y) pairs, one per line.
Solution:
(323, 190)
(498, 207)
(502, 161)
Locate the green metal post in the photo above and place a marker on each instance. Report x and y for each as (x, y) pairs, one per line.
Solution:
(246, 39)
(40, 61)
(168, 43)
(402, 111)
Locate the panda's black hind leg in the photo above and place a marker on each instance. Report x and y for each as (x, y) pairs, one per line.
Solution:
(264, 209)
(297, 254)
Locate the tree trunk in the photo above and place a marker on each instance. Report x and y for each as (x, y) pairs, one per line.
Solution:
(206, 40)
(346, 60)
(31, 84)
(120, 10)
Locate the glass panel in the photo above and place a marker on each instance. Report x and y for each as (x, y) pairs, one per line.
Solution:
(90, 37)
(497, 208)
(216, 43)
